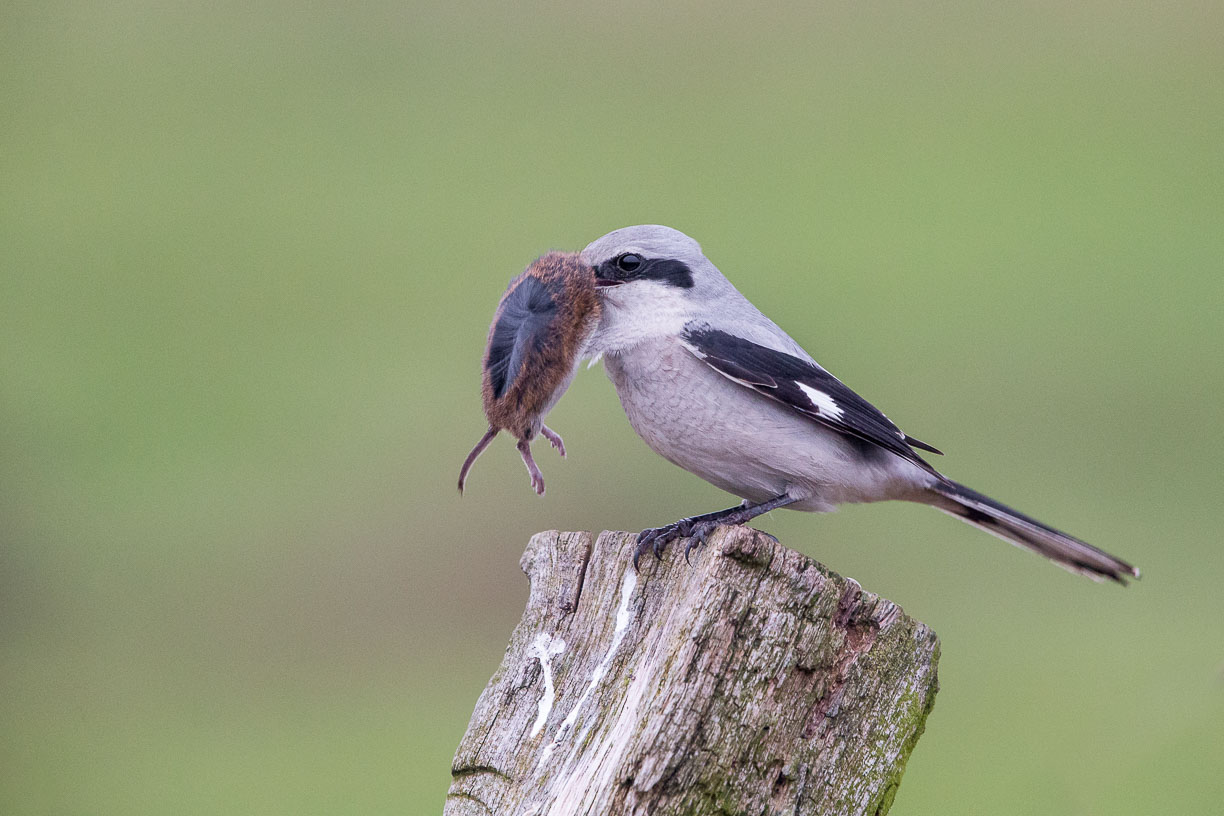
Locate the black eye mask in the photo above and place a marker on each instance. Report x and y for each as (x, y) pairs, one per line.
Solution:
(631, 266)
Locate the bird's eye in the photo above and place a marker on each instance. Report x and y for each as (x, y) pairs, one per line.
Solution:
(628, 262)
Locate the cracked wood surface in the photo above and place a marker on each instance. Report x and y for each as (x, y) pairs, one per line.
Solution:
(753, 682)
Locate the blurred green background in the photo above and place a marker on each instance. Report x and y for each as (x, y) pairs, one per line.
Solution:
(249, 255)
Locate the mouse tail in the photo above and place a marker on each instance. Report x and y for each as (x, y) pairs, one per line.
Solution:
(474, 455)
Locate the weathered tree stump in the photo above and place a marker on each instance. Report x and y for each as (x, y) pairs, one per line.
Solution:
(754, 681)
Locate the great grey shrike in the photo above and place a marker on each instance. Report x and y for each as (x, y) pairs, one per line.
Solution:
(714, 386)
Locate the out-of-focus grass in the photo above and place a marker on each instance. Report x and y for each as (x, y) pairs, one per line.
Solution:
(247, 259)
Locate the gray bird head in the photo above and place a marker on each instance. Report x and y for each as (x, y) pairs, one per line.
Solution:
(651, 281)
(647, 258)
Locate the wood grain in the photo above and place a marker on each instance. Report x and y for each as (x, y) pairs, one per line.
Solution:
(755, 681)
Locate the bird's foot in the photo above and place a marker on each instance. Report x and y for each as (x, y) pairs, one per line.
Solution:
(698, 535)
(696, 529)
(554, 439)
(655, 539)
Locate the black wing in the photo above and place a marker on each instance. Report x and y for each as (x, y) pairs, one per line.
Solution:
(807, 388)
(522, 323)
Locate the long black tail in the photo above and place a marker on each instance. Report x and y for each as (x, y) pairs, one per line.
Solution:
(1024, 531)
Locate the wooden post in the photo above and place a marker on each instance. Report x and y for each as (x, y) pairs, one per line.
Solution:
(754, 681)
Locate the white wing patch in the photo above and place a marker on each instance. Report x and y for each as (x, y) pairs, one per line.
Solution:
(823, 402)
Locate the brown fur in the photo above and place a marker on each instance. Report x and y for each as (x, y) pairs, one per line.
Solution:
(572, 285)
(520, 410)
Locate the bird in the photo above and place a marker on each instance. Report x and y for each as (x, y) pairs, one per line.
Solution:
(534, 346)
(714, 386)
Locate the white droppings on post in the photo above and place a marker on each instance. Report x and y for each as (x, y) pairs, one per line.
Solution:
(594, 773)
(618, 634)
(545, 648)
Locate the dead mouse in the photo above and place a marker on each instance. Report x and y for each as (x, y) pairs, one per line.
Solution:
(537, 336)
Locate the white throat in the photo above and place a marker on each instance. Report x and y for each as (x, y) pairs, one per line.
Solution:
(635, 313)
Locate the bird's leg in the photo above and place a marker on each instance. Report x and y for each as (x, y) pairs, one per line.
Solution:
(537, 478)
(554, 439)
(742, 515)
(698, 528)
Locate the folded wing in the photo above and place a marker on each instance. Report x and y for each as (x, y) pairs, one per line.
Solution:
(801, 385)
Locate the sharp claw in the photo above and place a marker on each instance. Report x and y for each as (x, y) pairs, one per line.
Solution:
(642, 544)
(698, 538)
(655, 540)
